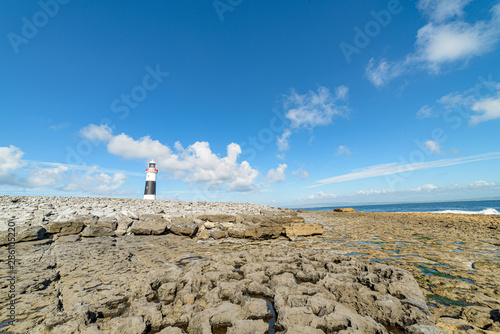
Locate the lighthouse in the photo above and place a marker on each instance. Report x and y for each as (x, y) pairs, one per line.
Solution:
(150, 190)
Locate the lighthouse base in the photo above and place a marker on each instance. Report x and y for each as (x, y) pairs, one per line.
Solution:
(149, 196)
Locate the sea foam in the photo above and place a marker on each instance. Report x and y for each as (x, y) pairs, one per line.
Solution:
(488, 211)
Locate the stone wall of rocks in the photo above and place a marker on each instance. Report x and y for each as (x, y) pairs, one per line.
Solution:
(40, 217)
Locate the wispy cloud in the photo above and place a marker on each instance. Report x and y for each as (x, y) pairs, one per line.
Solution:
(315, 108)
(425, 112)
(481, 102)
(447, 39)
(395, 168)
(321, 195)
(343, 150)
(312, 109)
(282, 141)
(301, 173)
(60, 126)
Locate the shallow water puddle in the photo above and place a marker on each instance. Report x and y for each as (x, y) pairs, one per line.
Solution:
(366, 243)
(383, 260)
(448, 302)
(432, 272)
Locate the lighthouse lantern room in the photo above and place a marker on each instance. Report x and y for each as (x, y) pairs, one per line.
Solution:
(150, 190)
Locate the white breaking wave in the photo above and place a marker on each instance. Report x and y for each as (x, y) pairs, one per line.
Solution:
(488, 211)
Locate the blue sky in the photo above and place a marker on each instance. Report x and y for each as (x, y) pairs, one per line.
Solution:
(295, 104)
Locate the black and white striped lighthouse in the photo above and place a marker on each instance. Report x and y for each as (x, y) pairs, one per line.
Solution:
(150, 190)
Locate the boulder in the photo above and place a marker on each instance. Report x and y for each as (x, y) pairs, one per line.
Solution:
(65, 228)
(236, 232)
(264, 232)
(123, 225)
(23, 234)
(107, 222)
(129, 325)
(218, 234)
(248, 327)
(303, 229)
(147, 227)
(97, 231)
(344, 210)
(183, 226)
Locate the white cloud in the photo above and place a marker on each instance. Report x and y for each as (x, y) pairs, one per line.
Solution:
(100, 183)
(315, 109)
(433, 146)
(343, 150)
(10, 161)
(195, 164)
(482, 101)
(277, 174)
(301, 173)
(144, 148)
(486, 109)
(321, 195)
(425, 112)
(94, 132)
(207, 168)
(426, 187)
(312, 109)
(395, 168)
(373, 192)
(475, 184)
(445, 40)
(282, 141)
(58, 176)
(442, 10)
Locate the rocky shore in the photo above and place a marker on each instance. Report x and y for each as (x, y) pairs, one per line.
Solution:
(104, 265)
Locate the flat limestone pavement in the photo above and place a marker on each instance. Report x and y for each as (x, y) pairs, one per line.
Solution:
(98, 265)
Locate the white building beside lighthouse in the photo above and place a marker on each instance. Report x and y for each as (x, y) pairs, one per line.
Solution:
(150, 189)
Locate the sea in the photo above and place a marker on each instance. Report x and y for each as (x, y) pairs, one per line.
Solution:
(462, 207)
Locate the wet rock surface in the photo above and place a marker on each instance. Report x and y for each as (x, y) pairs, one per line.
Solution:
(454, 258)
(349, 272)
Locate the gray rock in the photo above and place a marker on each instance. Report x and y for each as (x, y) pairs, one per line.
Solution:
(130, 325)
(22, 234)
(148, 227)
(65, 228)
(30, 233)
(217, 234)
(423, 329)
(187, 228)
(171, 330)
(249, 327)
(97, 231)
